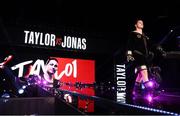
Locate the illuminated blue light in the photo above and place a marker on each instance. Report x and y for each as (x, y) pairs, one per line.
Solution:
(152, 109)
(157, 110)
(5, 95)
(161, 111)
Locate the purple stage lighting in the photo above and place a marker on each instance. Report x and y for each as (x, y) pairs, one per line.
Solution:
(39, 82)
(150, 84)
(44, 82)
(149, 98)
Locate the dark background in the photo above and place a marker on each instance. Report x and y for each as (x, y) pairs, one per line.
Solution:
(105, 23)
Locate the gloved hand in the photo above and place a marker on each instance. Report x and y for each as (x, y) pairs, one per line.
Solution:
(161, 50)
(150, 56)
(130, 58)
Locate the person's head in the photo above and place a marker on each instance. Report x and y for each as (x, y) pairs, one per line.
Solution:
(51, 65)
(139, 24)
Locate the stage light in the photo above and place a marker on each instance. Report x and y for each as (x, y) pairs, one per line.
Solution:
(39, 82)
(153, 109)
(21, 91)
(24, 86)
(151, 84)
(5, 95)
(149, 98)
(44, 82)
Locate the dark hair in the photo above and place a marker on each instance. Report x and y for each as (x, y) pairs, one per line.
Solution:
(137, 19)
(49, 59)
